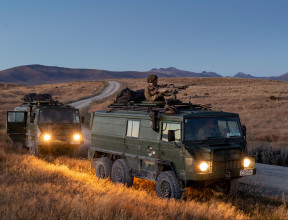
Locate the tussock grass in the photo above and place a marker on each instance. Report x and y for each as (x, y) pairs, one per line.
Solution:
(265, 153)
(62, 188)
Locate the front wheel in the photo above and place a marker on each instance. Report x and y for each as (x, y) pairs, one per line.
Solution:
(168, 186)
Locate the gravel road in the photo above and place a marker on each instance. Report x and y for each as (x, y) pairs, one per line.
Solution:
(270, 181)
(110, 89)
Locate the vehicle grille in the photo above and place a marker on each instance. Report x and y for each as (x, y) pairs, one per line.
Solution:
(227, 154)
(226, 165)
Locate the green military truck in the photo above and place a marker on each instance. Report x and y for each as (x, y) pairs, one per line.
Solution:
(187, 145)
(42, 123)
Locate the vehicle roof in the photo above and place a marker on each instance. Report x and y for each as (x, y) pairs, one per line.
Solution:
(182, 114)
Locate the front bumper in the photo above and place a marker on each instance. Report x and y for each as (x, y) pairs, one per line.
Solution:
(61, 141)
(217, 175)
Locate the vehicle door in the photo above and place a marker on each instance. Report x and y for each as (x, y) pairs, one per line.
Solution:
(16, 125)
(131, 145)
(171, 150)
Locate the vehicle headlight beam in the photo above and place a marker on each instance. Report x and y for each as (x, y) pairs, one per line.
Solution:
(246, 162)
(76, 137)
(203, 166)
(47, 137)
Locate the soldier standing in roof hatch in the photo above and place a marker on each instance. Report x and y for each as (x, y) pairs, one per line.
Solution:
(152, 89)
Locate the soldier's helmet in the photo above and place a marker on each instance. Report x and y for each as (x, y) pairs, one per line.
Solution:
(152, 78)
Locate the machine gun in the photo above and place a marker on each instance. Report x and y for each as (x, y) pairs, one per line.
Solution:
(170, 90)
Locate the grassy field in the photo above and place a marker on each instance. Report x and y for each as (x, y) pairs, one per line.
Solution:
(66, 188)
(63, 187)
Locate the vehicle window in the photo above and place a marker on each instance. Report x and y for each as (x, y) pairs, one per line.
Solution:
(16, 117)
(58, 116)
(133, 128)
(171, 126)
(205, 128)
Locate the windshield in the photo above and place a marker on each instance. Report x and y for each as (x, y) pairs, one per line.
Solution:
(58, 116)
(206, 128)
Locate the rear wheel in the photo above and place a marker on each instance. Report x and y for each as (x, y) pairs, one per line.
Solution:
(168, 186)
(103, 167)
(121, 173)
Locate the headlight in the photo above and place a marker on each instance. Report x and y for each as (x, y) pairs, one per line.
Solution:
(76, 137)
(204, 166)
(246, 162)
(47, 137)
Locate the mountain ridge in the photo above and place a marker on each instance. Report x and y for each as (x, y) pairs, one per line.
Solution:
(41, 74)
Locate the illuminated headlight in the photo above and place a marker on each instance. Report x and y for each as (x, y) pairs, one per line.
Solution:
(47, 137)
(204, 166)
(246, 162)
(76, 137)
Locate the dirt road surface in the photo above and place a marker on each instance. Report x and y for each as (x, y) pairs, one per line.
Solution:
(270, 181)
(109, 90)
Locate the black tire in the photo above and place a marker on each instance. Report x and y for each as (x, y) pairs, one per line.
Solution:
(168, 186)
(103, 167)
(121, 173)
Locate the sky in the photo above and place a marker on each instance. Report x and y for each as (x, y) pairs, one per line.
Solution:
(223, 36)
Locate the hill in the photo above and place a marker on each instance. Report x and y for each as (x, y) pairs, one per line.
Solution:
(283, 77)
(40, 74)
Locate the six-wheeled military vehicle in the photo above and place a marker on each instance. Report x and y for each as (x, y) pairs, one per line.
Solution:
(42, 123)
(173, 144)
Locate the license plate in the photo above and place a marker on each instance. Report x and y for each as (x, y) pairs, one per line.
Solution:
(246, 172)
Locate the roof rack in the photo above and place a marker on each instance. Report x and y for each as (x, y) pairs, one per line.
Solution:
(33, 99)
(174, 106)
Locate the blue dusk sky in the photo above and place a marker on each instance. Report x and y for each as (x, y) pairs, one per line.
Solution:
(223, 36)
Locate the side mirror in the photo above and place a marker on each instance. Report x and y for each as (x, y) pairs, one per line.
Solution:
(171, 135)
(243, 129)
(82, 119)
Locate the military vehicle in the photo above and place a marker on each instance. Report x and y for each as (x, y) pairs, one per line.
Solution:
(175, 145)
(42, 123)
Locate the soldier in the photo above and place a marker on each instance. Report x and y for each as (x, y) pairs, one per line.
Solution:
(152, 89)
(210, 129)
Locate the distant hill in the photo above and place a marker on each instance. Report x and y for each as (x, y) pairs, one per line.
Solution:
(40, 74)
(182, 73)
(244, 75)
(283, 77)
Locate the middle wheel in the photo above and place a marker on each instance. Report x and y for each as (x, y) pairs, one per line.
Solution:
(121, 172)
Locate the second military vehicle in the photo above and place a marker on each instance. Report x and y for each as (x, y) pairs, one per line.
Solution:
(42, 123)
(176, 146)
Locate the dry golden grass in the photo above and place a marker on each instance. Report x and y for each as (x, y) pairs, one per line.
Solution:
(65, 188)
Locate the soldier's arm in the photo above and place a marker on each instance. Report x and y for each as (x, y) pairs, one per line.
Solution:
(147, 94)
